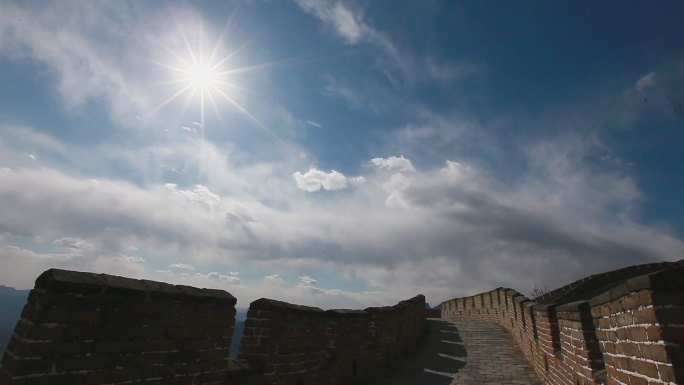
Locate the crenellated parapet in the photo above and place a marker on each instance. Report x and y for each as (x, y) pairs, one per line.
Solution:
(619, 328)
(293, 344)
(84, 328)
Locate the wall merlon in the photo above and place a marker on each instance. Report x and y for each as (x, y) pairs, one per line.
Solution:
(72, 282)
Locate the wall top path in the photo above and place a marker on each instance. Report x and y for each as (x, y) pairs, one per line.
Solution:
(64, 281)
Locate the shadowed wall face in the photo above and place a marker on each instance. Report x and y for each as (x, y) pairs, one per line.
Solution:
(291, 344)
(97, 329)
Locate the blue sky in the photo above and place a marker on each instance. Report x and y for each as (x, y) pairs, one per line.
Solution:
(347, 153)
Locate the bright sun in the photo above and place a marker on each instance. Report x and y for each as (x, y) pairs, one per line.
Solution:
(204, 76)
(201, 77)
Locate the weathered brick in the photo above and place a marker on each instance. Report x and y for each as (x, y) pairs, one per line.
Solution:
(82, 362)
(51, 349)
(645, 316)
(18, 367)
(112, 376)
(648, 369)
(654, 333)
(634, 380)
(39, 332)
(654, 352)
(624, 319)
(106, 347)
(667, 373)
(638, 334)
(183, 333)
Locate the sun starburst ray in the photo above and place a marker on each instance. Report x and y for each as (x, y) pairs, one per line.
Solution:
(170, 99)
(203, 75)
(240, 108)
(220, 40)
(214, 106)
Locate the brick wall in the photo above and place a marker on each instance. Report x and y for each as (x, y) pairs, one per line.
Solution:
(640, 325)
(96, 329)
(626, 329)
(291, 344)
(80, 328)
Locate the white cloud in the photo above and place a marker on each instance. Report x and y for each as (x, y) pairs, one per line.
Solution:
(305, 280)
(71, 243)
(315, 180)
(182, 266)
(189, 129)
(443, 231)
(26, 264)
(274, 279)
(346, 23)
(394, 163)
(62, 37)
(132, 258)
(645, 81)
(398, 67)
(221, 277)
(201, 194)
(314, 124)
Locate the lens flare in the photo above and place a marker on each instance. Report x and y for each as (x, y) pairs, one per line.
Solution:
(205, 76)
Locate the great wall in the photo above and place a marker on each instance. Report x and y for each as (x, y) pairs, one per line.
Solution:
(624, 327)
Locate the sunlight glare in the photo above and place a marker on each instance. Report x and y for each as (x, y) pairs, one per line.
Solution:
(201, 77)
(207, 76)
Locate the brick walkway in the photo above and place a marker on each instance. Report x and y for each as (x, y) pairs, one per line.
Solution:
(464, 353)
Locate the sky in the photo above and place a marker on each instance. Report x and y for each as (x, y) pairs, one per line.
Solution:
(340, 153)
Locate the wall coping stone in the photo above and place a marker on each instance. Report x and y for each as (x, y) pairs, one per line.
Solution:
(65, 281)
(545, 306)
(671, 279)
(380, 309)
(348, 312)
(521, 299)
(594, 285)
(272, 304)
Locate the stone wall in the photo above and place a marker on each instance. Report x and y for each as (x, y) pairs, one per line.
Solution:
(82, 328)
(291, 344)
(619, 328)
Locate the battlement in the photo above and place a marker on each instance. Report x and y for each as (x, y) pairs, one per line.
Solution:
(83, 328)
(328, 347)
(617, 328)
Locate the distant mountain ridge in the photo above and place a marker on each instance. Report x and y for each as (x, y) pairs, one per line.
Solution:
(12, 301)
(240, 317)
(10, 291)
